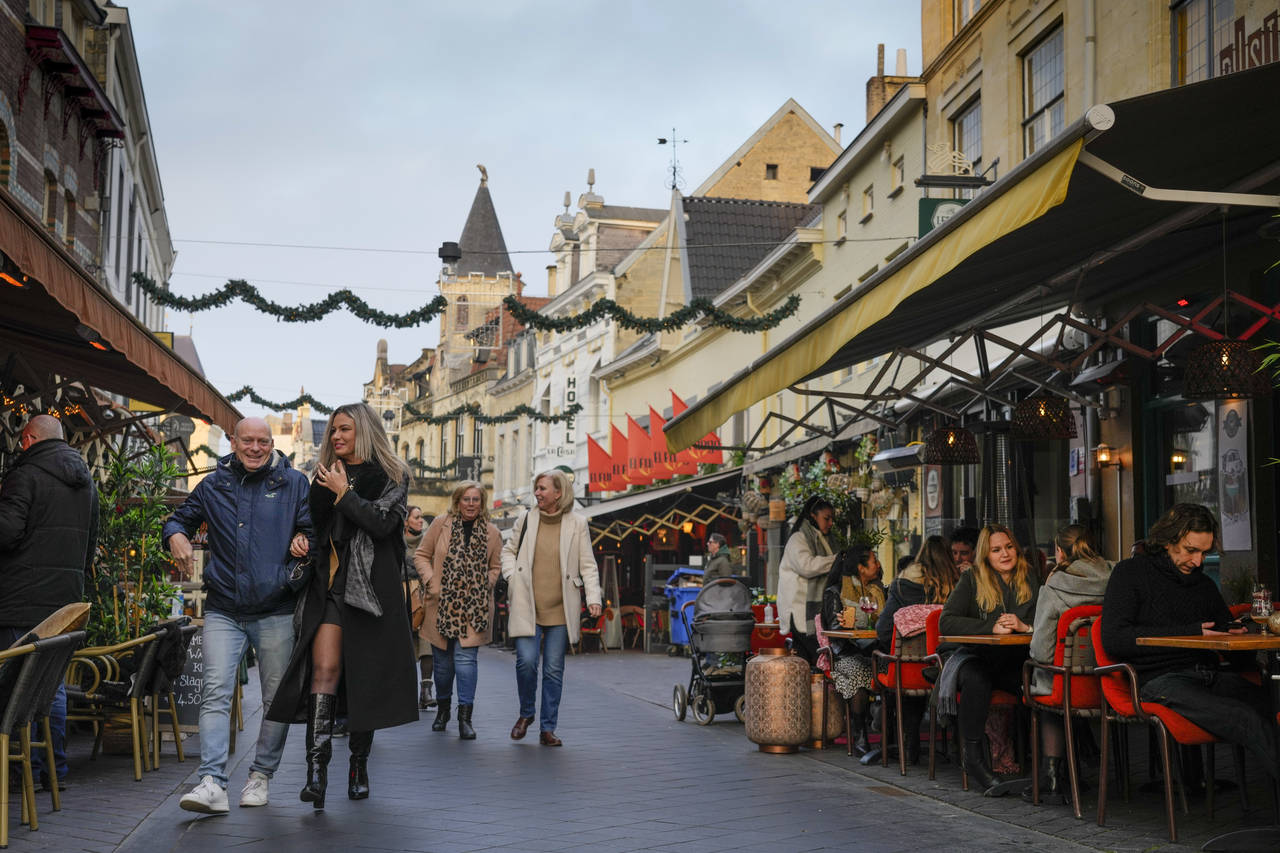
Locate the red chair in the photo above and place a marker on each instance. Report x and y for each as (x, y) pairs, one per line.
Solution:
(1121, 704)
(1076, 690)
(593, 628)
(903, 675)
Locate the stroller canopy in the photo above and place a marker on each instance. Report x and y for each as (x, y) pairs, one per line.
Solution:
(723, 597)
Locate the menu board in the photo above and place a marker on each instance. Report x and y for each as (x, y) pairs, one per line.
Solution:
(189, 686)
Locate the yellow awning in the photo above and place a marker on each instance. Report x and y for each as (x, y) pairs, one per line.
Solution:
(1025, 202)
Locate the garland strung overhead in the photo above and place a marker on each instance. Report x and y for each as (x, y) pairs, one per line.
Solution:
(247, 391)
(693, 311)
(474, 410)
(245, 292)
(471, 409)
(206, 450)
(419, 467)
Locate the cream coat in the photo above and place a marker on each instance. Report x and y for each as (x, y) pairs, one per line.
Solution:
(429, 561)
(801, 578)
(577, 562)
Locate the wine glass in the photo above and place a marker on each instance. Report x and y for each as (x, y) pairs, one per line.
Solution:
(1261, 612)
(867, 605)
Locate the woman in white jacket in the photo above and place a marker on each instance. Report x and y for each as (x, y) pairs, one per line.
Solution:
(548, 564)
(802, 574)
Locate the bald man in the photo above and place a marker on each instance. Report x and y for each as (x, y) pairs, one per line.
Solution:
(255, 506)
(48, 532)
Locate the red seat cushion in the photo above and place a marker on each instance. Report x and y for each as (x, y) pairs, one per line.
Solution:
(912, 677)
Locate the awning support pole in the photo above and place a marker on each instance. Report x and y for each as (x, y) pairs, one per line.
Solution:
(1162, 194)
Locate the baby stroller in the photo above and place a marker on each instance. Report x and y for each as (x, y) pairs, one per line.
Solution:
(721, 625)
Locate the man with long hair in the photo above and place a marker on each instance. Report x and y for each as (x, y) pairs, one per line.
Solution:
(1165, 592)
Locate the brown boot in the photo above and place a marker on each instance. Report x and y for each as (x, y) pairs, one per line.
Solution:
(521, 727)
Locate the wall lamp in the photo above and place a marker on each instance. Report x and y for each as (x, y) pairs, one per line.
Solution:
(11, 273)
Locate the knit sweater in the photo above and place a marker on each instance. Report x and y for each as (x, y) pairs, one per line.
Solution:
(1148, 596)
(962, 614)
(548, 595)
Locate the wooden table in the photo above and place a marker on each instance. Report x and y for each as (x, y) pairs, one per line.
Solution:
(854, 634)
(1255, 837)
(986, 639)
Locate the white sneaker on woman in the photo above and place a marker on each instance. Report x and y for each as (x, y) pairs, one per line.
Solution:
(206, 798)
(254, 792)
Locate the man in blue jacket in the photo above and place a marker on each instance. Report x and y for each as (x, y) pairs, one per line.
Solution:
(255, 506)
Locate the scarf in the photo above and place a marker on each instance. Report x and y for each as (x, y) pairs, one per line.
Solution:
(464, 582)
(359, 592)
(818, 545)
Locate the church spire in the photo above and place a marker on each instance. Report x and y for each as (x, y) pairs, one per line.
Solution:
(483, 249)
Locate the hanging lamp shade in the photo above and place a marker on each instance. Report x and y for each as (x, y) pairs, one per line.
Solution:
(1224, 370)
(951, 445)
(1043, 417)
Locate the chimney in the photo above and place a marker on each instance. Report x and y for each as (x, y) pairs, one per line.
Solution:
(901, 69)
(835, 131)
(551, 280)
(880, 60)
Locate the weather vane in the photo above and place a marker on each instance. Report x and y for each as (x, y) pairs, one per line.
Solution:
(673, 141)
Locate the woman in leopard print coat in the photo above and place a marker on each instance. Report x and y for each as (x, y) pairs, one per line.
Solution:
(458, 562)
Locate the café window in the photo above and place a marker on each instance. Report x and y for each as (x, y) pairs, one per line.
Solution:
(1201, 29)
(966, 130)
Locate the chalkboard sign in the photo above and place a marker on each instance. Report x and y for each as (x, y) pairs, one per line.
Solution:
(188, 687)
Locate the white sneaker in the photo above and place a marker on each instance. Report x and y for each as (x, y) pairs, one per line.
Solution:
(254, 792)
(207, 798)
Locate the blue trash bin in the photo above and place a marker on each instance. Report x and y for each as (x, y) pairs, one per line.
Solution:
(678, 595)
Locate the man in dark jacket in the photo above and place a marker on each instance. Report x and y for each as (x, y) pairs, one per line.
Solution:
(48, 534)
(718, 563)
(1165, 592)
(255, 507)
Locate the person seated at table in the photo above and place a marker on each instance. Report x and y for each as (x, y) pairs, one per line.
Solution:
(1164, 591)
(1079, 577)
(802, 574)
(854, 575)
(929, 579)
(964, 544)
(996, 596)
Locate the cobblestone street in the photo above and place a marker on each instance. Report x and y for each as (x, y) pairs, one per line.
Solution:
(628, 778)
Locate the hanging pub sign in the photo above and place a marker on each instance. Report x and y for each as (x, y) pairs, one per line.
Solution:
(935, 211)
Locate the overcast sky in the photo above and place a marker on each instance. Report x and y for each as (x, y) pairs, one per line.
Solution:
(359, 125)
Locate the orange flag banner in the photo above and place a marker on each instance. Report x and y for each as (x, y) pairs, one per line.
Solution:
(599, 467)
(677, 463)
(699, 455)
(639, 454)
(617, 460)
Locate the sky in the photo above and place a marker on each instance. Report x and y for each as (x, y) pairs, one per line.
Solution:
(359, 126)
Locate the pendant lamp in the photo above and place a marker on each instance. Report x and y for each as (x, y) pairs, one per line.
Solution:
(951, 445)
(1224, 370)
(1043, 417)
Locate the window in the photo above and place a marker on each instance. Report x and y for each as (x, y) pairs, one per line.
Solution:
(462, 316)
(868, 203)
(50, 201)
(842, 225)
(966, 130)
(459, 437)
(119, 202)
(6, 163)
(1197, 39)
(477, 438)
(965, 10)
(815, 172)
(771, 171)
(70, 231)
(444, 445)
(1042, 81)
(897, 176)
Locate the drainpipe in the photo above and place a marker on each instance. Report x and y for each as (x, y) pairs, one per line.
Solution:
(1090, 52)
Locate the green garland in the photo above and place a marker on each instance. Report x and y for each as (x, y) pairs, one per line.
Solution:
(242, 290)
(206, 450)
(247, 391)
(474, 410)
(624, 318)
(420, 467)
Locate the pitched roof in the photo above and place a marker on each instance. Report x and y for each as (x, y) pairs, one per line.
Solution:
(618, 211)
(483, 249)
(726, 237)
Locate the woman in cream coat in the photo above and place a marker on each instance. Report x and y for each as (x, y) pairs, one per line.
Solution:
(802, 575)
(548, 563)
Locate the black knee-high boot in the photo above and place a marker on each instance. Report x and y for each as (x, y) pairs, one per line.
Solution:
(358, 774)
(320, 708)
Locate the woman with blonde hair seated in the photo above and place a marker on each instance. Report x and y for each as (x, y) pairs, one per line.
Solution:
(996, 596)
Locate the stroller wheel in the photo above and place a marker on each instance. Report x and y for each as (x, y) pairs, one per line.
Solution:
(740, 708)
(704, 709)
(679, 702)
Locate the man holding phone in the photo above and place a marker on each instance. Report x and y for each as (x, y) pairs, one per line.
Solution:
(1164, 592)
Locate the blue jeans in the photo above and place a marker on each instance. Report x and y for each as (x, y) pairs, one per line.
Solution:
(224, 641)
(552, 640)
(57, 718)
(1223, 704)
(454, 659)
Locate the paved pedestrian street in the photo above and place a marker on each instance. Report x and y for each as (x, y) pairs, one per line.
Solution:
(628, 778)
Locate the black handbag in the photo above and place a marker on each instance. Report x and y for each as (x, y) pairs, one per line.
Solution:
(299, 574)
